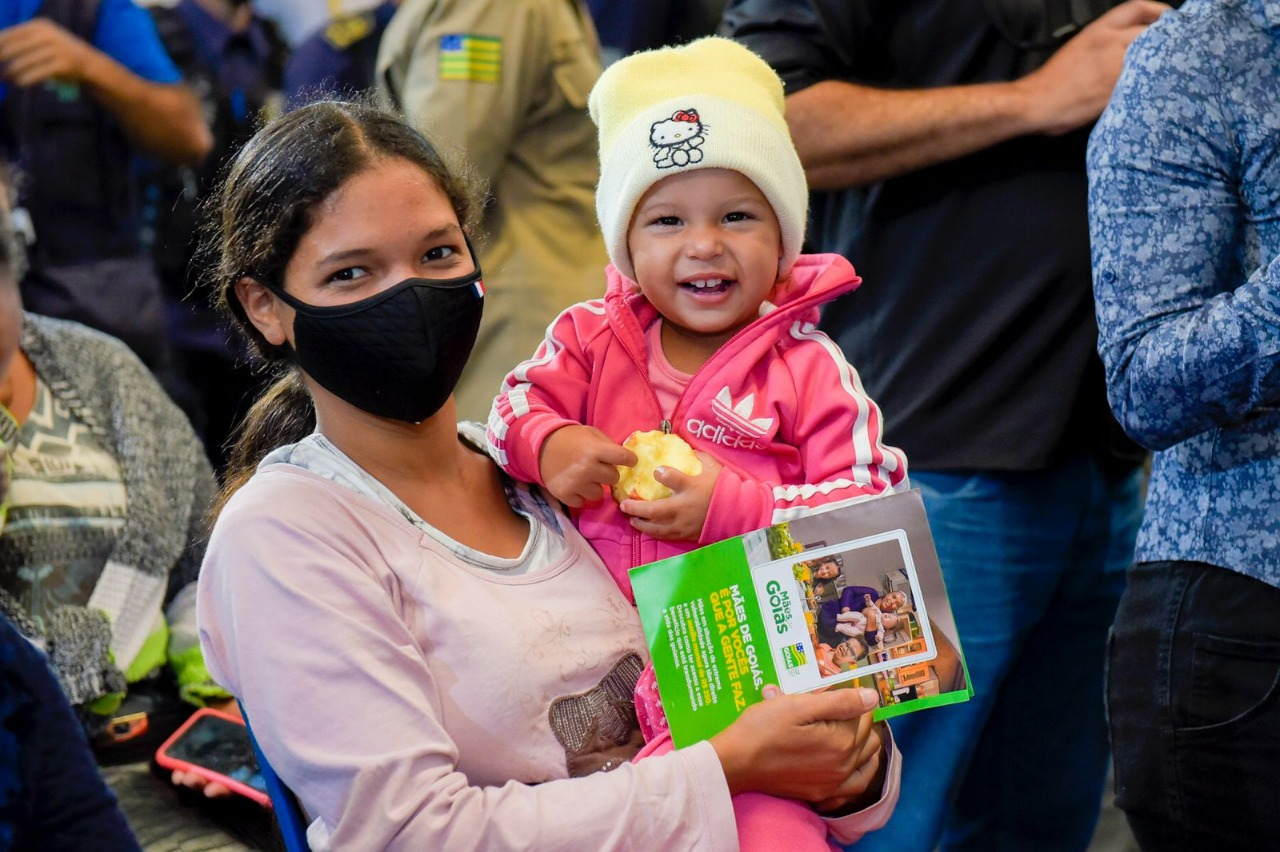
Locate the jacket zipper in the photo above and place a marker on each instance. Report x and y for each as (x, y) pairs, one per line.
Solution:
(665, 424)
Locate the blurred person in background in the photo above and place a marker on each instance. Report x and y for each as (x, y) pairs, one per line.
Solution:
(956, 133)
(298, 20)
(51, 795)
(502, 85)
(1184, 202)
(52, 798)
(234, 60)
(106, 503)
(626, 26)
(342, 56)
(84, 87)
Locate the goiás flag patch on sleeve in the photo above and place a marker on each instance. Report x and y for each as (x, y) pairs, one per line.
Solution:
(470, 57)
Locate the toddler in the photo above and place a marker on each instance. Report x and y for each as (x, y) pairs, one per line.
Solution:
(707, 329)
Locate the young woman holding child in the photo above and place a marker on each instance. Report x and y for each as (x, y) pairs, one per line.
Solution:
(431, 655)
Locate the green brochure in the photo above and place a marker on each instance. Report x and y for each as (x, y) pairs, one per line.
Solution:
(849, 596)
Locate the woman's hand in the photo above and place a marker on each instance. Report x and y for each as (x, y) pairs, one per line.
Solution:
(681, 516)
(196, 781)
(819, 747)
(578, 463)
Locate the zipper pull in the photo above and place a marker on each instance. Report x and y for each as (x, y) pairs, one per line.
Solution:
(665, 426)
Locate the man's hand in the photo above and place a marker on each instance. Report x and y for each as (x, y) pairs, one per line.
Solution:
(850, 135)
(579, 463)
(681, 516)
(40, 50)
(1073, 87)
(163, 119)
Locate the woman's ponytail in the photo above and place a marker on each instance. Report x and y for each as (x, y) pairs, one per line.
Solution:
(283, 414)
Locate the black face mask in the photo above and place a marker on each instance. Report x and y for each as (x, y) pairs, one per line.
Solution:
(398, 354)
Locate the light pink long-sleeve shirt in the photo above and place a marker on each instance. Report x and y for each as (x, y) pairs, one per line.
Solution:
(402, 689)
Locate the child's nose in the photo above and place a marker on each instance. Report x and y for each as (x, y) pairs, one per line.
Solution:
(705, 242)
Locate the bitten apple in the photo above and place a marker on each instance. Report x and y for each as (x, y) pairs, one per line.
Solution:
(653, 450)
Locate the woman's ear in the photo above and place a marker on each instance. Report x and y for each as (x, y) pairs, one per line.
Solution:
(264, 310)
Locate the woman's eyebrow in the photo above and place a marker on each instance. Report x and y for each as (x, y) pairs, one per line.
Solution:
(450, 229)
(345, 254)
(349, 254)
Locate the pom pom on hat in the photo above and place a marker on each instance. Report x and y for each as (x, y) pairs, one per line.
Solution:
(710, 104)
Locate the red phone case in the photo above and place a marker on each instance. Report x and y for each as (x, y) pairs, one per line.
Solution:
(168, 761)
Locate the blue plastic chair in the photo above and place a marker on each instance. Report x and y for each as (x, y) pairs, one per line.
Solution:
(289, 814)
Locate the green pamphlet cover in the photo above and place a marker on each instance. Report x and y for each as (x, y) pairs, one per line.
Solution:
(852, 596)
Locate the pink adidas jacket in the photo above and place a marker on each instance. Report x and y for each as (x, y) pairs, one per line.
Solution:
(777, 405)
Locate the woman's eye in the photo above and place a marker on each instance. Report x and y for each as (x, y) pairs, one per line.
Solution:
(440, 253)
(351, 273)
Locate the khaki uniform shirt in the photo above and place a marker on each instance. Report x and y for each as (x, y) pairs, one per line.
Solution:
(503, 85)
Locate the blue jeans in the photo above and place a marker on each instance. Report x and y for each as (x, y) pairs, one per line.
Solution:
(1035, 564)
(1193, 695)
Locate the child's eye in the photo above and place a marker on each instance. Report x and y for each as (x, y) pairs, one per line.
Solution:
(737, 216)
(351, 273)
(667, 221)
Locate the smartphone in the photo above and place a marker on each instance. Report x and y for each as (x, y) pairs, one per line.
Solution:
(216, 745)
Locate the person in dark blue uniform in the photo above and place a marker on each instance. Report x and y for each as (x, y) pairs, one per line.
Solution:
(339, 58)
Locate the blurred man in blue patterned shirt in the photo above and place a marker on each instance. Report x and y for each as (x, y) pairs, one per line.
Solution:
(1184, 173)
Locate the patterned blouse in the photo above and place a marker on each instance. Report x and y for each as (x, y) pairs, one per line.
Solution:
(1184, 196)
(67, 507)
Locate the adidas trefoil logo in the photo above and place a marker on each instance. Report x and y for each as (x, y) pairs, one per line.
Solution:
(738, 417)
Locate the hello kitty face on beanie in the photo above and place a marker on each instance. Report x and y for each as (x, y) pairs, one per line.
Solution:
(677, 140)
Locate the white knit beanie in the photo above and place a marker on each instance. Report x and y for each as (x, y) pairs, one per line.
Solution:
(710, 104)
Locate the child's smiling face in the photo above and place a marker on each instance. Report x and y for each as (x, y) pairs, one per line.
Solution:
(705, 246)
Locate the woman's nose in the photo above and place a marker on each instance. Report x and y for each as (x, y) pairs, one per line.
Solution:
(402, 272)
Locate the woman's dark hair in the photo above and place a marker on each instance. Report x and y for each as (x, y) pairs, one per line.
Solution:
(258, 216)
(815, 564)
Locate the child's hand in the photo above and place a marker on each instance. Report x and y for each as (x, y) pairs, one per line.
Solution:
(681, 516)
(579, 463)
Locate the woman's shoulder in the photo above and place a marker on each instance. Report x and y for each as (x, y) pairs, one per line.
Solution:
(57, 334)
(287, 519)
(288, 493)
(301, 487)
(105, 383)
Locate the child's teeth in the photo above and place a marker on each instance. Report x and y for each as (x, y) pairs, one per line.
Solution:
(702, 284)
